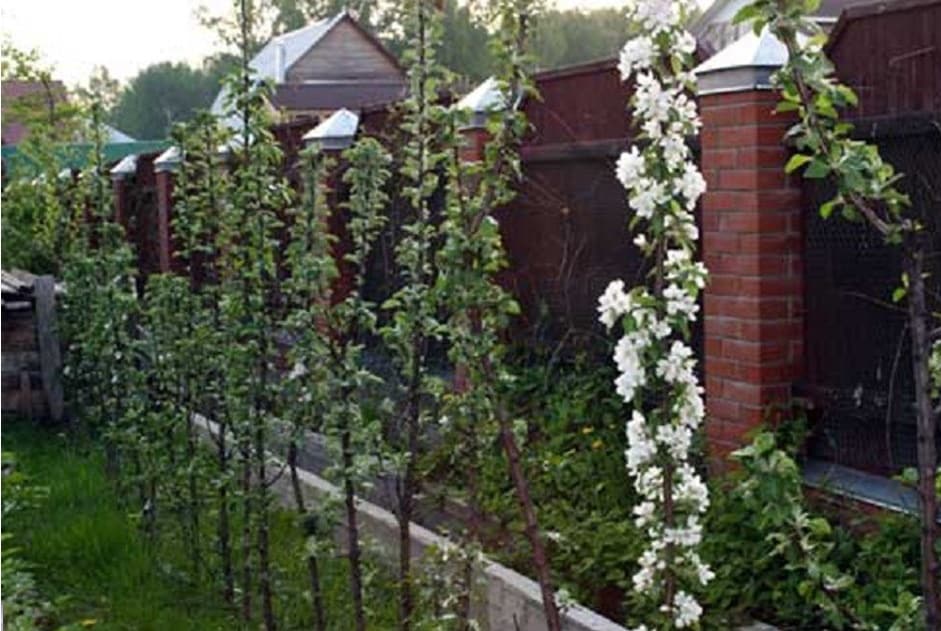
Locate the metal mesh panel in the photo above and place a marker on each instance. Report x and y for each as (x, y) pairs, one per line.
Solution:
(858, 370)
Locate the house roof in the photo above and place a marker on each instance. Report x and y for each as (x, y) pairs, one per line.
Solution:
(277, 57)
(294, 43)
(116, 136)
(14, 89)
(331, 95)
(827, 12)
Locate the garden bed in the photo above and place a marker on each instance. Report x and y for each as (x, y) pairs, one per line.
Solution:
(94, 568)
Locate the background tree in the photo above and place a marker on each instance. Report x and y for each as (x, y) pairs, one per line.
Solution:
(163, 94)
(37, 224)
(562, 38)
(103, 87)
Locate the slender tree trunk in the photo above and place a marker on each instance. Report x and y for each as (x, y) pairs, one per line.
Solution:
(225, 545)
(356, 573)
(474, 536)
(540, 559)
(193, 490)
(264, 560)
(246, 536)
(313, 569)
(927, 453)
(407, 495)
(669, 513)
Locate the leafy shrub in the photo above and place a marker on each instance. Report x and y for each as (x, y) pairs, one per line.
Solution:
(24, 608)
(778, 560)
(573, 454)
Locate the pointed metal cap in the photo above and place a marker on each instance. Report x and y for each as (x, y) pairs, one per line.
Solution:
(745, 64)
(336, 132)
(126, 168)
(168, 160)
(481, 101)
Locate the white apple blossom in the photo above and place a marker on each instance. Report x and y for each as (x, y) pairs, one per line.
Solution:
(656, 15)
(686, 610)
(630, 167)
(645, 512)
(679, 302)
(653, 129)
(675, 150)
(646, 199)
(685, 44)
(627, 352)
(676, 439)
(627, 383)
(703, 573)
(691, 185)
(677, 366)
(613, 304)
(637, 54)
(653, 358)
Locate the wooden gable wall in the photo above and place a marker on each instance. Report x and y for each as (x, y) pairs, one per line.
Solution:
(343, 53)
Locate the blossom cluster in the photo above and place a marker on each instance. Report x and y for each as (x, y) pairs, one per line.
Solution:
(656, 367)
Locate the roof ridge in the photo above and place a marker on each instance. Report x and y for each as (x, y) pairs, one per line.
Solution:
(316, 24)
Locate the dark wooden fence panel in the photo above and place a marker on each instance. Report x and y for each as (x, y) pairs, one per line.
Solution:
(890, 54)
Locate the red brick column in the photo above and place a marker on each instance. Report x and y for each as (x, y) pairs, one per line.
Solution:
(752, 247)
(164, 179)
(119, 187)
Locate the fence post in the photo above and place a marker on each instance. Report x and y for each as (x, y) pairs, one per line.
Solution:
(164, 166)
(50, 355)
(752, 245)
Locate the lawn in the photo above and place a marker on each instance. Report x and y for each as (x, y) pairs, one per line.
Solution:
(90, 559)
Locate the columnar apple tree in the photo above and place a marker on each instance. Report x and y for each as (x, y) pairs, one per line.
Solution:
(657, 370)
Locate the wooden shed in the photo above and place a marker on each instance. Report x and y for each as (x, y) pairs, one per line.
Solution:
(32, 367)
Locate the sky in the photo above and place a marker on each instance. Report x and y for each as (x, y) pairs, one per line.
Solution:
(125, 35)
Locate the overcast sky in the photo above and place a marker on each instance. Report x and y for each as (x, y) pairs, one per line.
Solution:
(124, 35)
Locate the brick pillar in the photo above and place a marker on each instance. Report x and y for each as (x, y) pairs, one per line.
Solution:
(164, 180)
(119, 186)
(752, 246)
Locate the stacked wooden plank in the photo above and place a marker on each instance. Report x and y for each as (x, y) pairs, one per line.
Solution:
(31, 378)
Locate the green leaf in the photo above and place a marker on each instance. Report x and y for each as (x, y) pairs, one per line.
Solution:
(819, 526)
(796, 161)
(748, 12)
(817, 169)
(826, 209)
(899, 294)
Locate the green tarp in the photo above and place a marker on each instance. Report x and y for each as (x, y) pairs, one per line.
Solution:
(77, 155)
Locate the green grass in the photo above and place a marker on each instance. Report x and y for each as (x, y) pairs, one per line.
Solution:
(90, 558)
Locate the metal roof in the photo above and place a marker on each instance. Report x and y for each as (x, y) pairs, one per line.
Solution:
(336, 131)
(293, 44)
(126, 167)
(168, 160)
(290, 47)
(486, 97)
(748, 51)
(745, 64)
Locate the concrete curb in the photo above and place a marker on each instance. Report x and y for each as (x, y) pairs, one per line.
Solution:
(507, 600)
